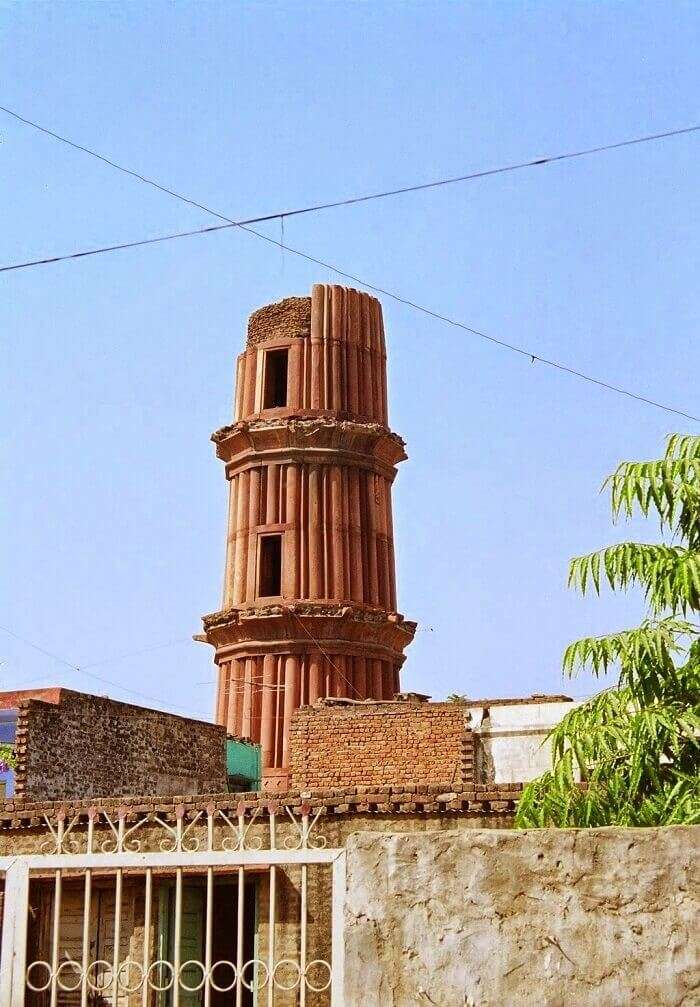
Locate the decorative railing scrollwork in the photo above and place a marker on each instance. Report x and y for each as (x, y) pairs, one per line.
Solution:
(244, 827)
(160, 976)
(301, 838)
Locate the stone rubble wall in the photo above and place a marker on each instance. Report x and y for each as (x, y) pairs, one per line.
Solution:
(85, 746)
(287, 319)
(541, 918)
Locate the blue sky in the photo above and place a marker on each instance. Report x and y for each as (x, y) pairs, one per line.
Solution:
(117, 368)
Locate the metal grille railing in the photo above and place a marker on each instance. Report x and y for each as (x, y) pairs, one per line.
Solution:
(184, 887)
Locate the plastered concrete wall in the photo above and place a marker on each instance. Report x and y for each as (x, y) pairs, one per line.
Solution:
(544, 918)
(512, 740)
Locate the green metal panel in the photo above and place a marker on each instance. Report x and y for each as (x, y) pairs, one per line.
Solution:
(243, 762)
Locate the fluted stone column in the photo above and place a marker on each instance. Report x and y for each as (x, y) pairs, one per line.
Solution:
(311, 461)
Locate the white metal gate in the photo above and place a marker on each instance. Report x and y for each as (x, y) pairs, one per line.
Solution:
(145, 855)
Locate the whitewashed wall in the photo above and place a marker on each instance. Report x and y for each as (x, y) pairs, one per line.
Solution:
(511, 739)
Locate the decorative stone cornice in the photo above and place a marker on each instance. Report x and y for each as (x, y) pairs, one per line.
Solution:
(288, 629)
(305, 435)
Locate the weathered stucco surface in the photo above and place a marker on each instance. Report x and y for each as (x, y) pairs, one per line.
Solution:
(543, 918)
(513, 741)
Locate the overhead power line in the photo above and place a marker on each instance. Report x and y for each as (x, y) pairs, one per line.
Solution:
(98, 678)
(244, 226)
(367, 197)
(82, 669)
(327, 656)
(137, 653)
(116, 248)
(314, 207)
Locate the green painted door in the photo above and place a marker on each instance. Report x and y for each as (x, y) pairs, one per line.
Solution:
(191, 941)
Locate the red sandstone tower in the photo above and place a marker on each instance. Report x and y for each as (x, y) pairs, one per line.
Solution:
(309, 603)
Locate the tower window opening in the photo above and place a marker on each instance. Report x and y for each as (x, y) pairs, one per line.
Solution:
(270, 566)
(275, 390)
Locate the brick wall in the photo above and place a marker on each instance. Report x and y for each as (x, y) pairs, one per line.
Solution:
(88, 746)
(23, 827)
(285, 319)
(380, 744)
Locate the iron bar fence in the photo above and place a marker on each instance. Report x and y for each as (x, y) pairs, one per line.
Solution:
(144, 913)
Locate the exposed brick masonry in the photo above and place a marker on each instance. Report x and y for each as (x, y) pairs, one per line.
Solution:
(286, 319)
(440, 798)
(91, 746)
(376, 744)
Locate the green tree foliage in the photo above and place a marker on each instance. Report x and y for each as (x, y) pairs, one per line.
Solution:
(7, 758)
(637, 745)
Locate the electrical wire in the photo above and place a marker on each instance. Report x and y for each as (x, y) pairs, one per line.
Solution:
(137, 653)
(234, 688)
(98, 678)
(367, 197)
(534, 357)
(41, 650)
(117, 248)
(243, 225)
(522, 351)
(327, 657)
(82, 669)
